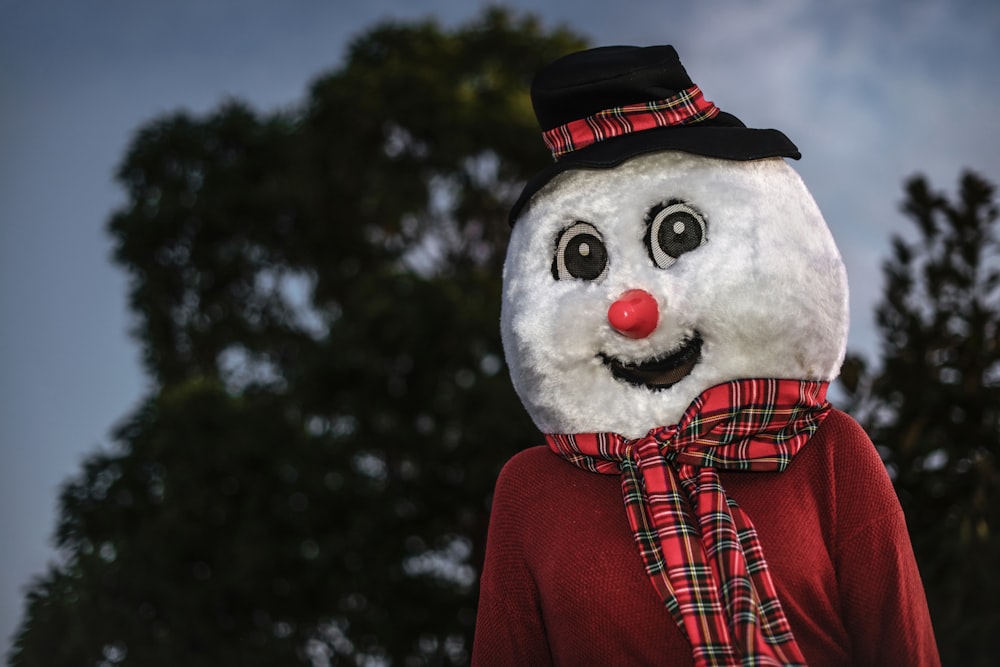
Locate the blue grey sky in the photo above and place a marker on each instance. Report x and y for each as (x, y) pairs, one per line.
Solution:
(872, 92)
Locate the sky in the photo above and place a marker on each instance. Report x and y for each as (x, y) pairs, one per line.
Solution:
(871, 92)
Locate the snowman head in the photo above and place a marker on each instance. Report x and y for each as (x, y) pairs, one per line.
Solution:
(633, 285)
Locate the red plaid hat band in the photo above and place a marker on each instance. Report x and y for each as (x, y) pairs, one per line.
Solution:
(686, 107)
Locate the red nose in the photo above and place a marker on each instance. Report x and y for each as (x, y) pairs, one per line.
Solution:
(634, 314)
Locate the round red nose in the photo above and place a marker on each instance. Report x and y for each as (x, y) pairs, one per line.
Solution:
(634, 314)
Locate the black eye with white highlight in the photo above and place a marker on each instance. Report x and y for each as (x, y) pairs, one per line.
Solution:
(673, 229)
(580, 254)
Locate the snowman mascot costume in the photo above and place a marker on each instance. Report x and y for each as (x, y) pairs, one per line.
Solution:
(674, 308)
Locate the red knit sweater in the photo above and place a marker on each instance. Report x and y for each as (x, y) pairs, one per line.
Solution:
(564, 584)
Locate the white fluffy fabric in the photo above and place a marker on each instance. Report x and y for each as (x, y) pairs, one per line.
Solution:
(767, 292)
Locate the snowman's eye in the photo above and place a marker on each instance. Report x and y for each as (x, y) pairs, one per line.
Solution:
(580, 254)
(673, 229)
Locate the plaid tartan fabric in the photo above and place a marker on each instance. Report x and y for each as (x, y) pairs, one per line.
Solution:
(700, 549)
(686, 107)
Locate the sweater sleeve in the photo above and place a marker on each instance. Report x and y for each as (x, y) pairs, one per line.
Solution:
(509, 625)
(882, 598)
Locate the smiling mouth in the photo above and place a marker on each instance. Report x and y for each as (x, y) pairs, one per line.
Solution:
(662, 372)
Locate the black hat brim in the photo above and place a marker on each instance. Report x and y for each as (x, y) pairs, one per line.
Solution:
(729, 142)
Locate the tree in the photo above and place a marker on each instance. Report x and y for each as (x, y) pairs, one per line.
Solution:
(933, 408)
(316, 293)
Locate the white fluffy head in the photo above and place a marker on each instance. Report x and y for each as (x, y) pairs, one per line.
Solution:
(765, 292)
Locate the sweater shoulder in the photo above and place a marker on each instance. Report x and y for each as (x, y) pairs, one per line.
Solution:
(528, 460)
(525, 469)
(844, 447)
(842, 427)
(864, 491)
(853, 453)
(525, 478)
(537, 486)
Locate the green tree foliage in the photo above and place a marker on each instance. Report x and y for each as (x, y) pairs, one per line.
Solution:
(933, 408)
(316, 293)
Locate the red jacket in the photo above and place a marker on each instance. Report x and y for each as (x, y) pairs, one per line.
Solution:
(563, 582)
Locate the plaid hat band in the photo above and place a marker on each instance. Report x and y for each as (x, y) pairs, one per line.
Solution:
(685, 108)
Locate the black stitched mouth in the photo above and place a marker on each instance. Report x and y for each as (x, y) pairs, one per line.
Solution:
(661, 372)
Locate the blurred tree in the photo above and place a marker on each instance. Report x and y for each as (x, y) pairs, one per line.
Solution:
(933, 408)
(316, 293)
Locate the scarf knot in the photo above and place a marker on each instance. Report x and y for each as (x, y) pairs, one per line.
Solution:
(700, 549)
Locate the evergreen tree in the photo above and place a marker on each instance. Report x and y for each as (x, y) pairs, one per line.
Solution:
(316, 293)
(933, 408)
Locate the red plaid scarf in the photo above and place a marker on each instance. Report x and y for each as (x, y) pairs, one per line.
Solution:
(700, 549)
(686, 107)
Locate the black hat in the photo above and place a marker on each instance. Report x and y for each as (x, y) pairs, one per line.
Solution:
(599, 107)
